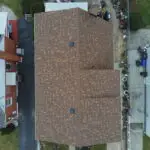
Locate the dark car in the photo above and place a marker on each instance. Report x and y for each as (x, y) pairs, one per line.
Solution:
(107, 16)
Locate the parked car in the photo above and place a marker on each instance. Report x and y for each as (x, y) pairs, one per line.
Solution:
(107, 16)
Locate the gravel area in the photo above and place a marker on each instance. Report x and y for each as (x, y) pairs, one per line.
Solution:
(118, 42)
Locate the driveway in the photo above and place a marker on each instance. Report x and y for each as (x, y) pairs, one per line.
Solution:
(137, 87)
(26, 88)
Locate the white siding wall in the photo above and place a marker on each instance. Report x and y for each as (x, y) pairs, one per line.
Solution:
(2, 84)
(61, 6)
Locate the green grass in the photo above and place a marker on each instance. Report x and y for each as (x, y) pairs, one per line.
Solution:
(46, 146)
(140, 14)
(49, 146)
(33, 6)
(9, 141)
(99, 147)
(15, 5)
(144, 9)
(63, 147)
(146, 143)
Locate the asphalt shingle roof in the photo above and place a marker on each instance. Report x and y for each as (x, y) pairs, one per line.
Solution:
(77, 91)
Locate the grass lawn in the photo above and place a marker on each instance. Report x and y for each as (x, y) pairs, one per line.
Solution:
(46, 146)
(144, 10)
(99, 147)
(139, 13)
(9, 141)
(15, 5)
(49, 146)
(146, 143)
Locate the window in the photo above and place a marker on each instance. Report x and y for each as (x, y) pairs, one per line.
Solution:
(8, 66)
(9, 102)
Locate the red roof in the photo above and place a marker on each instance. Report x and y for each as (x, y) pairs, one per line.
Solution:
(14, 24)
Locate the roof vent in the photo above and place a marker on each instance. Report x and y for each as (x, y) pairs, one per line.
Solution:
(71, 44)
(93, 67)
(72, 110)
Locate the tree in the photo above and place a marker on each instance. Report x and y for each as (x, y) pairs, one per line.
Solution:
(136, 21)
(33, 6)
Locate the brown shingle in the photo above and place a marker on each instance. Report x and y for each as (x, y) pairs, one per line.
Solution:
(79, 77)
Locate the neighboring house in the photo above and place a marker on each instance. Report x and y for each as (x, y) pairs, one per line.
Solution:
(61, 6)
(77, 90)
(8, 72)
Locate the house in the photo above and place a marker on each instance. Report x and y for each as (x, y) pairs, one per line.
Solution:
(8, 73)
(49, 6)
(77, 90)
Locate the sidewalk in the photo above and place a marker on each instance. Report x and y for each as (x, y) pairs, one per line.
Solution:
(114, 146)
(136, 90)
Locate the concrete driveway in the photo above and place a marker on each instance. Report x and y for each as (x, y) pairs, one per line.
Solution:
(26, 88)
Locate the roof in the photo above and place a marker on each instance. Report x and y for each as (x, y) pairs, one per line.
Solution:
(77, 92)
(3, 23)
(61, 6)
(2, 84)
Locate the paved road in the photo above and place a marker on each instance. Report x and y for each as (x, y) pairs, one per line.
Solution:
(26, 89)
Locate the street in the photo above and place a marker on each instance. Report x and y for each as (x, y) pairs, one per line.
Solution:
(26, 88)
